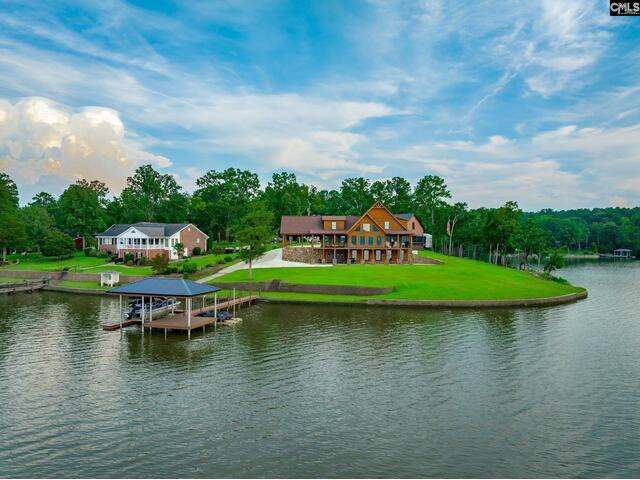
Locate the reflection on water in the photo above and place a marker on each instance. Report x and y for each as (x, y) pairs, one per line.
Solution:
(300, 390)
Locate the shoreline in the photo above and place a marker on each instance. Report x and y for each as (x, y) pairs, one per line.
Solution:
(505, 303)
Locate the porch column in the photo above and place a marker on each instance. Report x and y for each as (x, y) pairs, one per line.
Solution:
(189, 300)
(150, 309)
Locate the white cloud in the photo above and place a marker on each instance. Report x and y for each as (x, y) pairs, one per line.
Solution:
(39, 139)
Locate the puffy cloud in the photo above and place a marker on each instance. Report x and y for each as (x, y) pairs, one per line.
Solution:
(39, 139)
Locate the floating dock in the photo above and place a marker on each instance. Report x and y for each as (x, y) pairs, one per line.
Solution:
(10, 288)
(180, 321)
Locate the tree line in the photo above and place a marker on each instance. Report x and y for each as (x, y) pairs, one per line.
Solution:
(223, 198)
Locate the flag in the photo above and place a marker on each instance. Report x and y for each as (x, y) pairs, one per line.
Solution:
(449, 227)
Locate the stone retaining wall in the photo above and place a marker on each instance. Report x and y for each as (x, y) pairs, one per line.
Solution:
(418, 260)
(301, 254)
(279, 286)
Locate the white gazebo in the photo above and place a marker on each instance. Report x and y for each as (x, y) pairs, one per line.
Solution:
(109, 277)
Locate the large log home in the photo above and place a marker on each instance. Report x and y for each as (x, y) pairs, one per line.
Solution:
(378, 236)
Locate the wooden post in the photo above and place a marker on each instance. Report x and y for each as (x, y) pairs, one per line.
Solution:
(150, 310)
(215, 310)
(189, 300)
(120, 311)
(142, 314)
(234, 302)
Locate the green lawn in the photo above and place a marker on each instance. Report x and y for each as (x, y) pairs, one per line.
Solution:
(12, 280)
(86, 285)
(36, 263)
(455, 279)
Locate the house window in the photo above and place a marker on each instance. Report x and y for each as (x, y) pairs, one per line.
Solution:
(370, 240)
(353, 239)
(357, 229)
(386, 225)
(198, 240)
(413, 225)
(378, 255)
(366, 227)
(379, 240)
(361, 239)
(375, 229)
(354, 254)
(334, 225)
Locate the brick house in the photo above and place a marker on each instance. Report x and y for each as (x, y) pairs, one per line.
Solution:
(150, 239)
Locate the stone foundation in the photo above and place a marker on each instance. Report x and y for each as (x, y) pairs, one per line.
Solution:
(301, 255)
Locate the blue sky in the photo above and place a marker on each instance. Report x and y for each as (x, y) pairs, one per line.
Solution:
(533, 101)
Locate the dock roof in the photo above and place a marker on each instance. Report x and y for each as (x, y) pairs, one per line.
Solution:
(164, 287)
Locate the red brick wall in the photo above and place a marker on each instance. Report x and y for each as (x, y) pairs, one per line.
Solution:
(108, 248)
(152, 252)
(190, 239)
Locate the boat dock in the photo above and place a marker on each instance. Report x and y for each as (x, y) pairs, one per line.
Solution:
(10, 288)
(180, 320)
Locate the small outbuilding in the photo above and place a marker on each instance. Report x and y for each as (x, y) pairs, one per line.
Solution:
(109, 277)
(622, 253)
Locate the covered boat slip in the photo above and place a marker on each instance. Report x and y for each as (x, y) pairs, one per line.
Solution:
(151, 288)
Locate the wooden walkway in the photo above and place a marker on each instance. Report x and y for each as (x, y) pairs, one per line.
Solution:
(179, 321)
(28, 287)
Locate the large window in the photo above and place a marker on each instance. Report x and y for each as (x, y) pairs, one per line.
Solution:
(370, 240)
(386, 225)
(366, 227)
(334, 225)
(379, 240)
(361, 239)
(353, 240)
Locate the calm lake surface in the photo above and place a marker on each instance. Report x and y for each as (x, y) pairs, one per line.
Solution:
(327, 391)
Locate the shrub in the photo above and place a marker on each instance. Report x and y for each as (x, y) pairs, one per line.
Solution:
(130, 263)
(143, 261)
(217, 248)
(128, 257)
(189, 267)
(117, 259)
(89, 252)
(57, 244)
(171, 269)
(208, 265)
(228, 259)
(196, 251)
(159, 264)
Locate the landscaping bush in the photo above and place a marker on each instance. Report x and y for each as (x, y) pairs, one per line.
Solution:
(159, 264)
(171, 269)
(228, 259)
(130, 263)
(89, 252)
(142, 261)
(208, 265)
(117, 259)
(128, 257)
(217, 248)
(189, 267)
(196, 251)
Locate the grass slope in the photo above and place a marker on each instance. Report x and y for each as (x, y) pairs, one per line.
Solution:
(455, 279)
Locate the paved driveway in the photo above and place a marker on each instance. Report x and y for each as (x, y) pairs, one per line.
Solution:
(271, 259)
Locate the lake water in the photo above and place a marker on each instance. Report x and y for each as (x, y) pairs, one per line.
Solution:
(327, 391)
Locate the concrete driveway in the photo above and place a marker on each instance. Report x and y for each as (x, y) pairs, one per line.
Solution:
(271, 259)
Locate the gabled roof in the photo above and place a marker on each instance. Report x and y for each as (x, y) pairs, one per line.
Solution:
(305, 225)
(403, 216)
(148, 228)
(164, 287)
